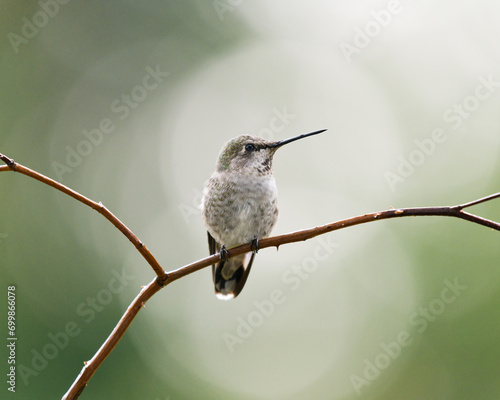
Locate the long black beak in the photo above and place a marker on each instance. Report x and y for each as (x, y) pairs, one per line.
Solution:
(293, 139)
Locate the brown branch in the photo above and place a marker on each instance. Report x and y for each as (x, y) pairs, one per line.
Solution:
(164, 279)
(99, 207)
(91, 366)
(305, 234)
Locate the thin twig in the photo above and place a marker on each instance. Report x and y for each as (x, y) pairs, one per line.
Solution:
(475, 202)
(164, 279)
(91, 366)
(99, 207)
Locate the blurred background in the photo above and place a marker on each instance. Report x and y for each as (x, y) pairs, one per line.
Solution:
(130, 102)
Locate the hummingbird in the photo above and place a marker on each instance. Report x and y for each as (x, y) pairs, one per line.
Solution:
(240, 205)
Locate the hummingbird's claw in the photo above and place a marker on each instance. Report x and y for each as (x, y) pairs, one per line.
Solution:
(254, 245)
(224, 254)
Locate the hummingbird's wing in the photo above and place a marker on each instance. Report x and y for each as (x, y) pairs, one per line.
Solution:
(239, 267)
(213, 246)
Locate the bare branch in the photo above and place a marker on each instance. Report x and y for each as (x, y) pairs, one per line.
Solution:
(91, 366)
(482, 200)
(164, 278)
(99, 207)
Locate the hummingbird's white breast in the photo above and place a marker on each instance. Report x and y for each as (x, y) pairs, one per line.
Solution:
(238, 209)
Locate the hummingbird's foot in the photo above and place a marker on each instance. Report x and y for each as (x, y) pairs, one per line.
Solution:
(224, 254)
(254, 245)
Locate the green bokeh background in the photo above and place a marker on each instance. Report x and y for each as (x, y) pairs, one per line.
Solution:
(274, 69)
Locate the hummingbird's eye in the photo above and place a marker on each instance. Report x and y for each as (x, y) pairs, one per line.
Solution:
(250, 147)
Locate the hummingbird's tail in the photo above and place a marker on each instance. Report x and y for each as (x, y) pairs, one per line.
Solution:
(230, 275)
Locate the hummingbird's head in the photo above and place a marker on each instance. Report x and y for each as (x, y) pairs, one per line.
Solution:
(248, 155)
(251, 155)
